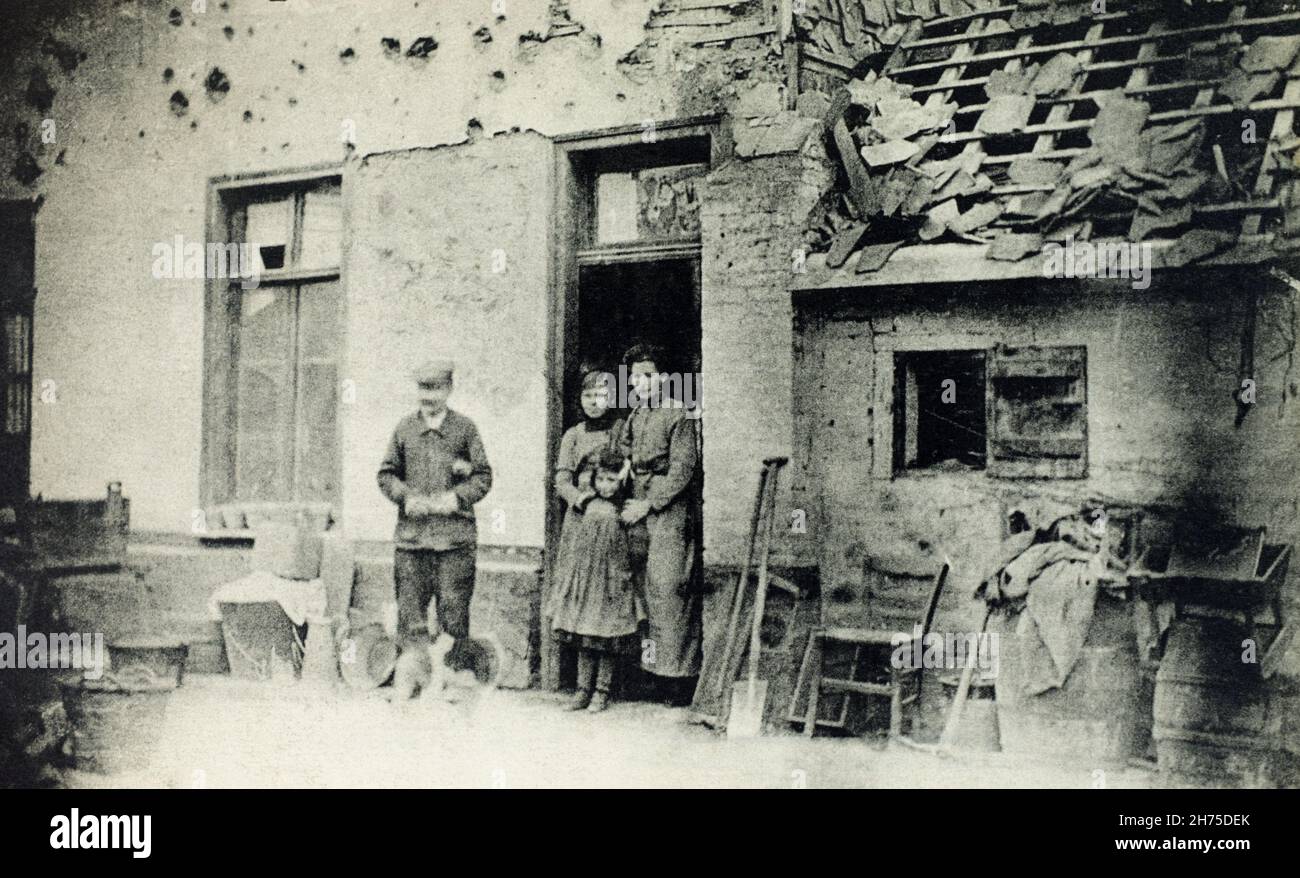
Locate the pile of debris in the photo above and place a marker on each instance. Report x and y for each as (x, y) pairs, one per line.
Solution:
(994, 173)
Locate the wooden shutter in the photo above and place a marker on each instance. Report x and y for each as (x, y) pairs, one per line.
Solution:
(17, 295)
(1038, 412)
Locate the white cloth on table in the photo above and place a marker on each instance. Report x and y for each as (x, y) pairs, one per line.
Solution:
(299, 598)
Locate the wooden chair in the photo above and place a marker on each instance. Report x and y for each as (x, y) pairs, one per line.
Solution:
(904, 684)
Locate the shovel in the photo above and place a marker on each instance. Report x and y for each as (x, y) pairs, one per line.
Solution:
(750, 697)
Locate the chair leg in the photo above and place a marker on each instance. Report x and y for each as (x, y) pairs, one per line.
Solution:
(916, 705)
(814, 685)
(800, 681)
(895, 703)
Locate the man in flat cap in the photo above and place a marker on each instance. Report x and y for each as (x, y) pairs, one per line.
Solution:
(435, 470)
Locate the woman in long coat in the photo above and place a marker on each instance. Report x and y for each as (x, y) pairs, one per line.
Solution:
(659, 439)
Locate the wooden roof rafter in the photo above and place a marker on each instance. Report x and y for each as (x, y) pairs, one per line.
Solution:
(1183, 71)
(1048, 49)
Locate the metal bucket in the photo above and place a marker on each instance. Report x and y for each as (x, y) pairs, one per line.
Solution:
(117, 721)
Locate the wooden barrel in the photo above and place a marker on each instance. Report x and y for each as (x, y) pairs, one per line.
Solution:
(1216, 721)
(1099, 717)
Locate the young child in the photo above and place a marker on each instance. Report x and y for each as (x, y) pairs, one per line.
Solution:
(593, 605)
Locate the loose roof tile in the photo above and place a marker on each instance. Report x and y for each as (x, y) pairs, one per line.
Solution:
(1030, 118)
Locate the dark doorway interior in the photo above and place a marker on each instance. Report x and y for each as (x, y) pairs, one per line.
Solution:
(622, 303)
(17, 296)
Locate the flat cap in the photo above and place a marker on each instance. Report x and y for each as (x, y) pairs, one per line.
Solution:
(434, 372)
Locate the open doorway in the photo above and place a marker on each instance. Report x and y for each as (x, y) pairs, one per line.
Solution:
(628, 272)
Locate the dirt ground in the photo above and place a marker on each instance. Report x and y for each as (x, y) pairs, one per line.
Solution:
(224, 732)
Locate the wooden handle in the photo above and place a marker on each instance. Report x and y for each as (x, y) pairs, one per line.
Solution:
(963, 691)
(742, 582)
(760, 594)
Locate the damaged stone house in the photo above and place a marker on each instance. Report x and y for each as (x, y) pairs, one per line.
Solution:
(842, 207)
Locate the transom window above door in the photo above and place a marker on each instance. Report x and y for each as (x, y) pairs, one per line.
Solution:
(649, 204)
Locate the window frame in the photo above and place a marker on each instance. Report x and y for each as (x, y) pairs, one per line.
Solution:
(885, 414)
(226, 198)
(909, 361)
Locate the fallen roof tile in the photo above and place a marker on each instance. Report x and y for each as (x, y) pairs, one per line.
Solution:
(1009, 82)
(919, 197)
(896, 189)
(1241, 87)
(889, 153)
(1034, 172)
(1056, 75)
(1168, 156)
(1184, 186)
(1094, 176)
(846, 241)
(812, 104)
(904, 124)
(873, 257)
(977, 217)
(1116, 131)
(788, 133)
(937, 220)
(1028, 204)
(874, 12)
(866, 92)
(1005, 114)
(1270, 53)
(1013, 247)
(1196, 245)
(1144, 223)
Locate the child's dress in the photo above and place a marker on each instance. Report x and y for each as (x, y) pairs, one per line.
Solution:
(593, 603)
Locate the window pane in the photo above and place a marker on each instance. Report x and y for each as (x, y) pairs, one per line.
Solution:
(18, 329)
(615, 208)
(318, 380)
(264, 321)
(265, 412)
(317, 439)
(322, 228)
(269, 228)
(18, 411)
(318, 320)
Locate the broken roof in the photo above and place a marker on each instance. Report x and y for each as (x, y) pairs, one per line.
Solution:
(1009, 125)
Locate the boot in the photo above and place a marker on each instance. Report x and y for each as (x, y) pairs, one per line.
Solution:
(604, 680)
(586, 680)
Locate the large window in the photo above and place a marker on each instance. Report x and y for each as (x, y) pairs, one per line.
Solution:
(275, 350)
(1015, 412)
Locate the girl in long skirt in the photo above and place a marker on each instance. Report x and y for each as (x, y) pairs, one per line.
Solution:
(594, 603)
(580, 450)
